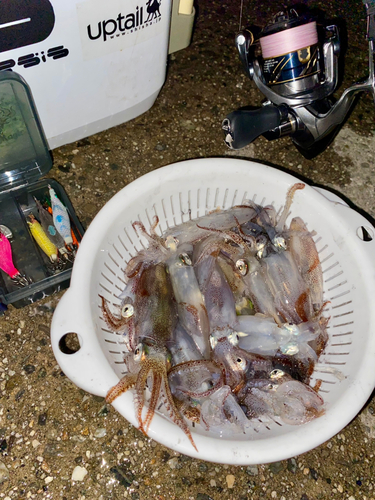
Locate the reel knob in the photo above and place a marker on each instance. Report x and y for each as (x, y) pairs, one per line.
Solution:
(243, 126)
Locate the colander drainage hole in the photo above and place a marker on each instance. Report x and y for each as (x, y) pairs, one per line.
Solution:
(365, 233)
(69, 343)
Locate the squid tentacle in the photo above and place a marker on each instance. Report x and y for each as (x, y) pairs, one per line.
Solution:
(139, 397)
(127, 382)
(113, 322)
(228, 234)
(156, 385)
(173, 412)
(248, 238)
(288, 204)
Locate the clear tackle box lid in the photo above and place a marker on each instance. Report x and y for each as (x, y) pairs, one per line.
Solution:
(24, 153)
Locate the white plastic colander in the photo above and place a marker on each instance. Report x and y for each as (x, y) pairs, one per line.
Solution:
(191, 189)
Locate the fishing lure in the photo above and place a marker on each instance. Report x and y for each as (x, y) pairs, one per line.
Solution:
(42, 239)
(46, 221)
(6, 262)
(60, 217)
(74, 238)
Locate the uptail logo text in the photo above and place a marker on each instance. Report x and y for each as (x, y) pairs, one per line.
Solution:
(126, 23)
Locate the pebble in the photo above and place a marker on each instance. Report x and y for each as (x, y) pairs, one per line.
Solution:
(48, 479)
(29, 369)
(313, 474)
(306, 471)
(44, 466)
(53, 450)
(4, 473)
(79, 473)
(35, 443)
(276, 467)
(187, 124)
(13, 382)
(173, 463)
(230, 480)
(103, 411)
(80, 439)
(99, 433)
(292, 465)
(252, 470)
(123, 475)
(340, 488)
(42, 419)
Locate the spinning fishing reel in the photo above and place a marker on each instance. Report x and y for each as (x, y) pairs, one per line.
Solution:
(297, 72)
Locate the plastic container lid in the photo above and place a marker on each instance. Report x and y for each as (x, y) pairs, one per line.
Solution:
(24, 153)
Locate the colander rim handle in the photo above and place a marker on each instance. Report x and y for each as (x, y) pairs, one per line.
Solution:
(80, 367)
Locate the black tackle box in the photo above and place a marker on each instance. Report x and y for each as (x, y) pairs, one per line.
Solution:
(24, 160)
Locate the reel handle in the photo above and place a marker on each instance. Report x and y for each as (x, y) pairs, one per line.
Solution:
(243, 126)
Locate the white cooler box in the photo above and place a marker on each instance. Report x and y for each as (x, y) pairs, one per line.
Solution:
(90, 64)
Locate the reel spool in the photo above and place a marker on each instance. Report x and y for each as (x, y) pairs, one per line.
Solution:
(290, 53)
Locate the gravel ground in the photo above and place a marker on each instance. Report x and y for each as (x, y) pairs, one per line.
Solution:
(56, 441)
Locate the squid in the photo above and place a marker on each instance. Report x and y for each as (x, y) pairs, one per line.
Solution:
(156, 319)
(280, 396)
(192, 311)
(126, 321)
(305, 254)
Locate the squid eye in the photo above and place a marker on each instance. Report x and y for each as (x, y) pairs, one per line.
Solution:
(272, 387)
(233, 338)
(185, 259)
(138, 352)
(291, 348)
(241, 363)
(261, 242)
(279, 242)
(277, 373)
(242, 266)
(127, 311)
(171, 242)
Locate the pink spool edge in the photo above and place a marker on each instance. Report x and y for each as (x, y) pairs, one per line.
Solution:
(289, 40)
